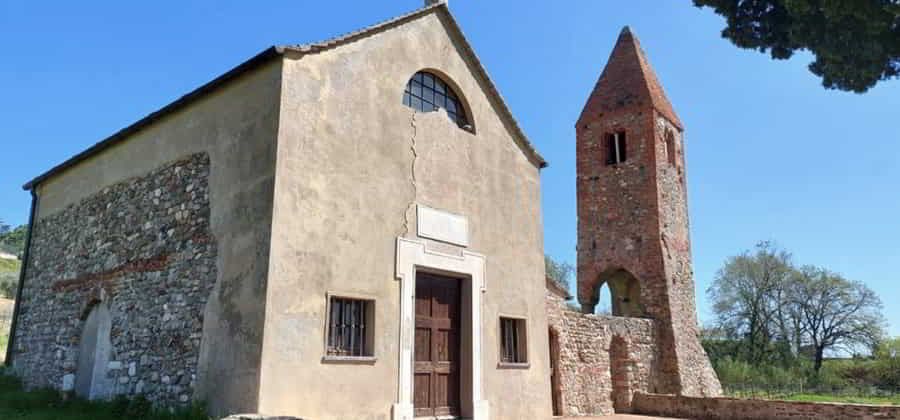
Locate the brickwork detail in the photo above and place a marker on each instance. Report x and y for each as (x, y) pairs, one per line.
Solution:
(633, 217)
(144, 247)
(602, 361)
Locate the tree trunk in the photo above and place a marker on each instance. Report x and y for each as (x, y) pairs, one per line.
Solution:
(817, 363)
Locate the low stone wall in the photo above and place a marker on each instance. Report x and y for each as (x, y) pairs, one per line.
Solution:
(740, 409)
(602, 360)
(144, 248)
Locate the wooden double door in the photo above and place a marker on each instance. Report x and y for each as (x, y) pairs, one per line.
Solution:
(436, 370)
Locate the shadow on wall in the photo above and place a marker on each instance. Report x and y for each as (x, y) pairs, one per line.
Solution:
(555, 390)
(620, 374)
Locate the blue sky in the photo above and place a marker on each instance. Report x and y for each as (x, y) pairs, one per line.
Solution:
(771, 154)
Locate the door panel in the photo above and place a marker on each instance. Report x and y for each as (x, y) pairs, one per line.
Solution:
(423, 345)
(436, 382)
(422, 393)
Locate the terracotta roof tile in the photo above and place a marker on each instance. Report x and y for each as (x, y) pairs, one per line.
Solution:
(629, 80)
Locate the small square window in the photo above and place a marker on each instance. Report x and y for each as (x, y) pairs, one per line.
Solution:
(350, 327)
(513, 341)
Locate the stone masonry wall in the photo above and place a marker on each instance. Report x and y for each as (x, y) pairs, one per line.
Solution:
(587, 373)
(633, 216)
(619, 223)
(142, 246)
(696, 375)
(737, 409)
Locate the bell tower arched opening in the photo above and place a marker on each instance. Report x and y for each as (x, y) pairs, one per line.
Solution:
(624, 291)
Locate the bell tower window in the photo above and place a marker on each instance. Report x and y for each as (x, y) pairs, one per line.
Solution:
(670, 148)
(616, 150)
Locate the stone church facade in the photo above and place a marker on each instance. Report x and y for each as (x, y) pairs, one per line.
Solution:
(352, 230)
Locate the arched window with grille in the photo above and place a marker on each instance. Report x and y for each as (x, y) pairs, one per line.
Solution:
(426, 92)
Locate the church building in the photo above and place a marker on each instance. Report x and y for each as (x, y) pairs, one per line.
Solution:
(352, 229)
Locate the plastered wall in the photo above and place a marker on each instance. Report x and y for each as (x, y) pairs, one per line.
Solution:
(353, 163)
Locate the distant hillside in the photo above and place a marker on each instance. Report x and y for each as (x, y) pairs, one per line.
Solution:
(9, 277)
(12, 241)
(7, 265)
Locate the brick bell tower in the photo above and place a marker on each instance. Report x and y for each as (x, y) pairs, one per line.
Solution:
(632, 215)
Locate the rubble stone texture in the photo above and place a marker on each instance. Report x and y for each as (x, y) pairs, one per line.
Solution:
(633, 218)
(599, 354)
(142, 246)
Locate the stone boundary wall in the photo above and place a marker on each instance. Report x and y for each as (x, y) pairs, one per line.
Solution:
(603, 360)
(143, 247)
(741, 409)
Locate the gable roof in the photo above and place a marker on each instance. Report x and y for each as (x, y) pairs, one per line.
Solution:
(628, 79)
(277, 51)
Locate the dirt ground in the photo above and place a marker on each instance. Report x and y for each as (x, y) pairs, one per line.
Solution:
(616, 417)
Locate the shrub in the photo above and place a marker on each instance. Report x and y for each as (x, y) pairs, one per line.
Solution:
(9, 280)
(739, 374)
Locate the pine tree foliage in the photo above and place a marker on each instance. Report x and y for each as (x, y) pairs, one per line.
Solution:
(856, 43)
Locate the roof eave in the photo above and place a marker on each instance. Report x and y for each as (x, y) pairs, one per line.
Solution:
(276, 51)
(180, 103)
(441, 6)
(531, 151)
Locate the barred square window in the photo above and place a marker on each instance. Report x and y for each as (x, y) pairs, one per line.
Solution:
(513, 341)
(350, 327)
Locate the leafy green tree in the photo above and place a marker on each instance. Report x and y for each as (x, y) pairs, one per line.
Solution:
(856, 43)
(748, 296)
(8, 284)
(887, 362)
(559, 271)
(888, 348)
(13, 240)
(837, 314)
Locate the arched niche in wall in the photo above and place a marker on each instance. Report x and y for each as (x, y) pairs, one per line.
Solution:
(624, 292)
(94, 349)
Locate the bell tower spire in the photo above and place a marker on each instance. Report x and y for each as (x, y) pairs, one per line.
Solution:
(628, 81)
(633, 232)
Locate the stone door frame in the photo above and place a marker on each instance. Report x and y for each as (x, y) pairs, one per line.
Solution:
(412, 256)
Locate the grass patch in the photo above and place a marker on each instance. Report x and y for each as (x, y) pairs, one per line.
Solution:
(49, 405)
(9, 265)
(4, 340)
(845, 397)
(894, 400)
